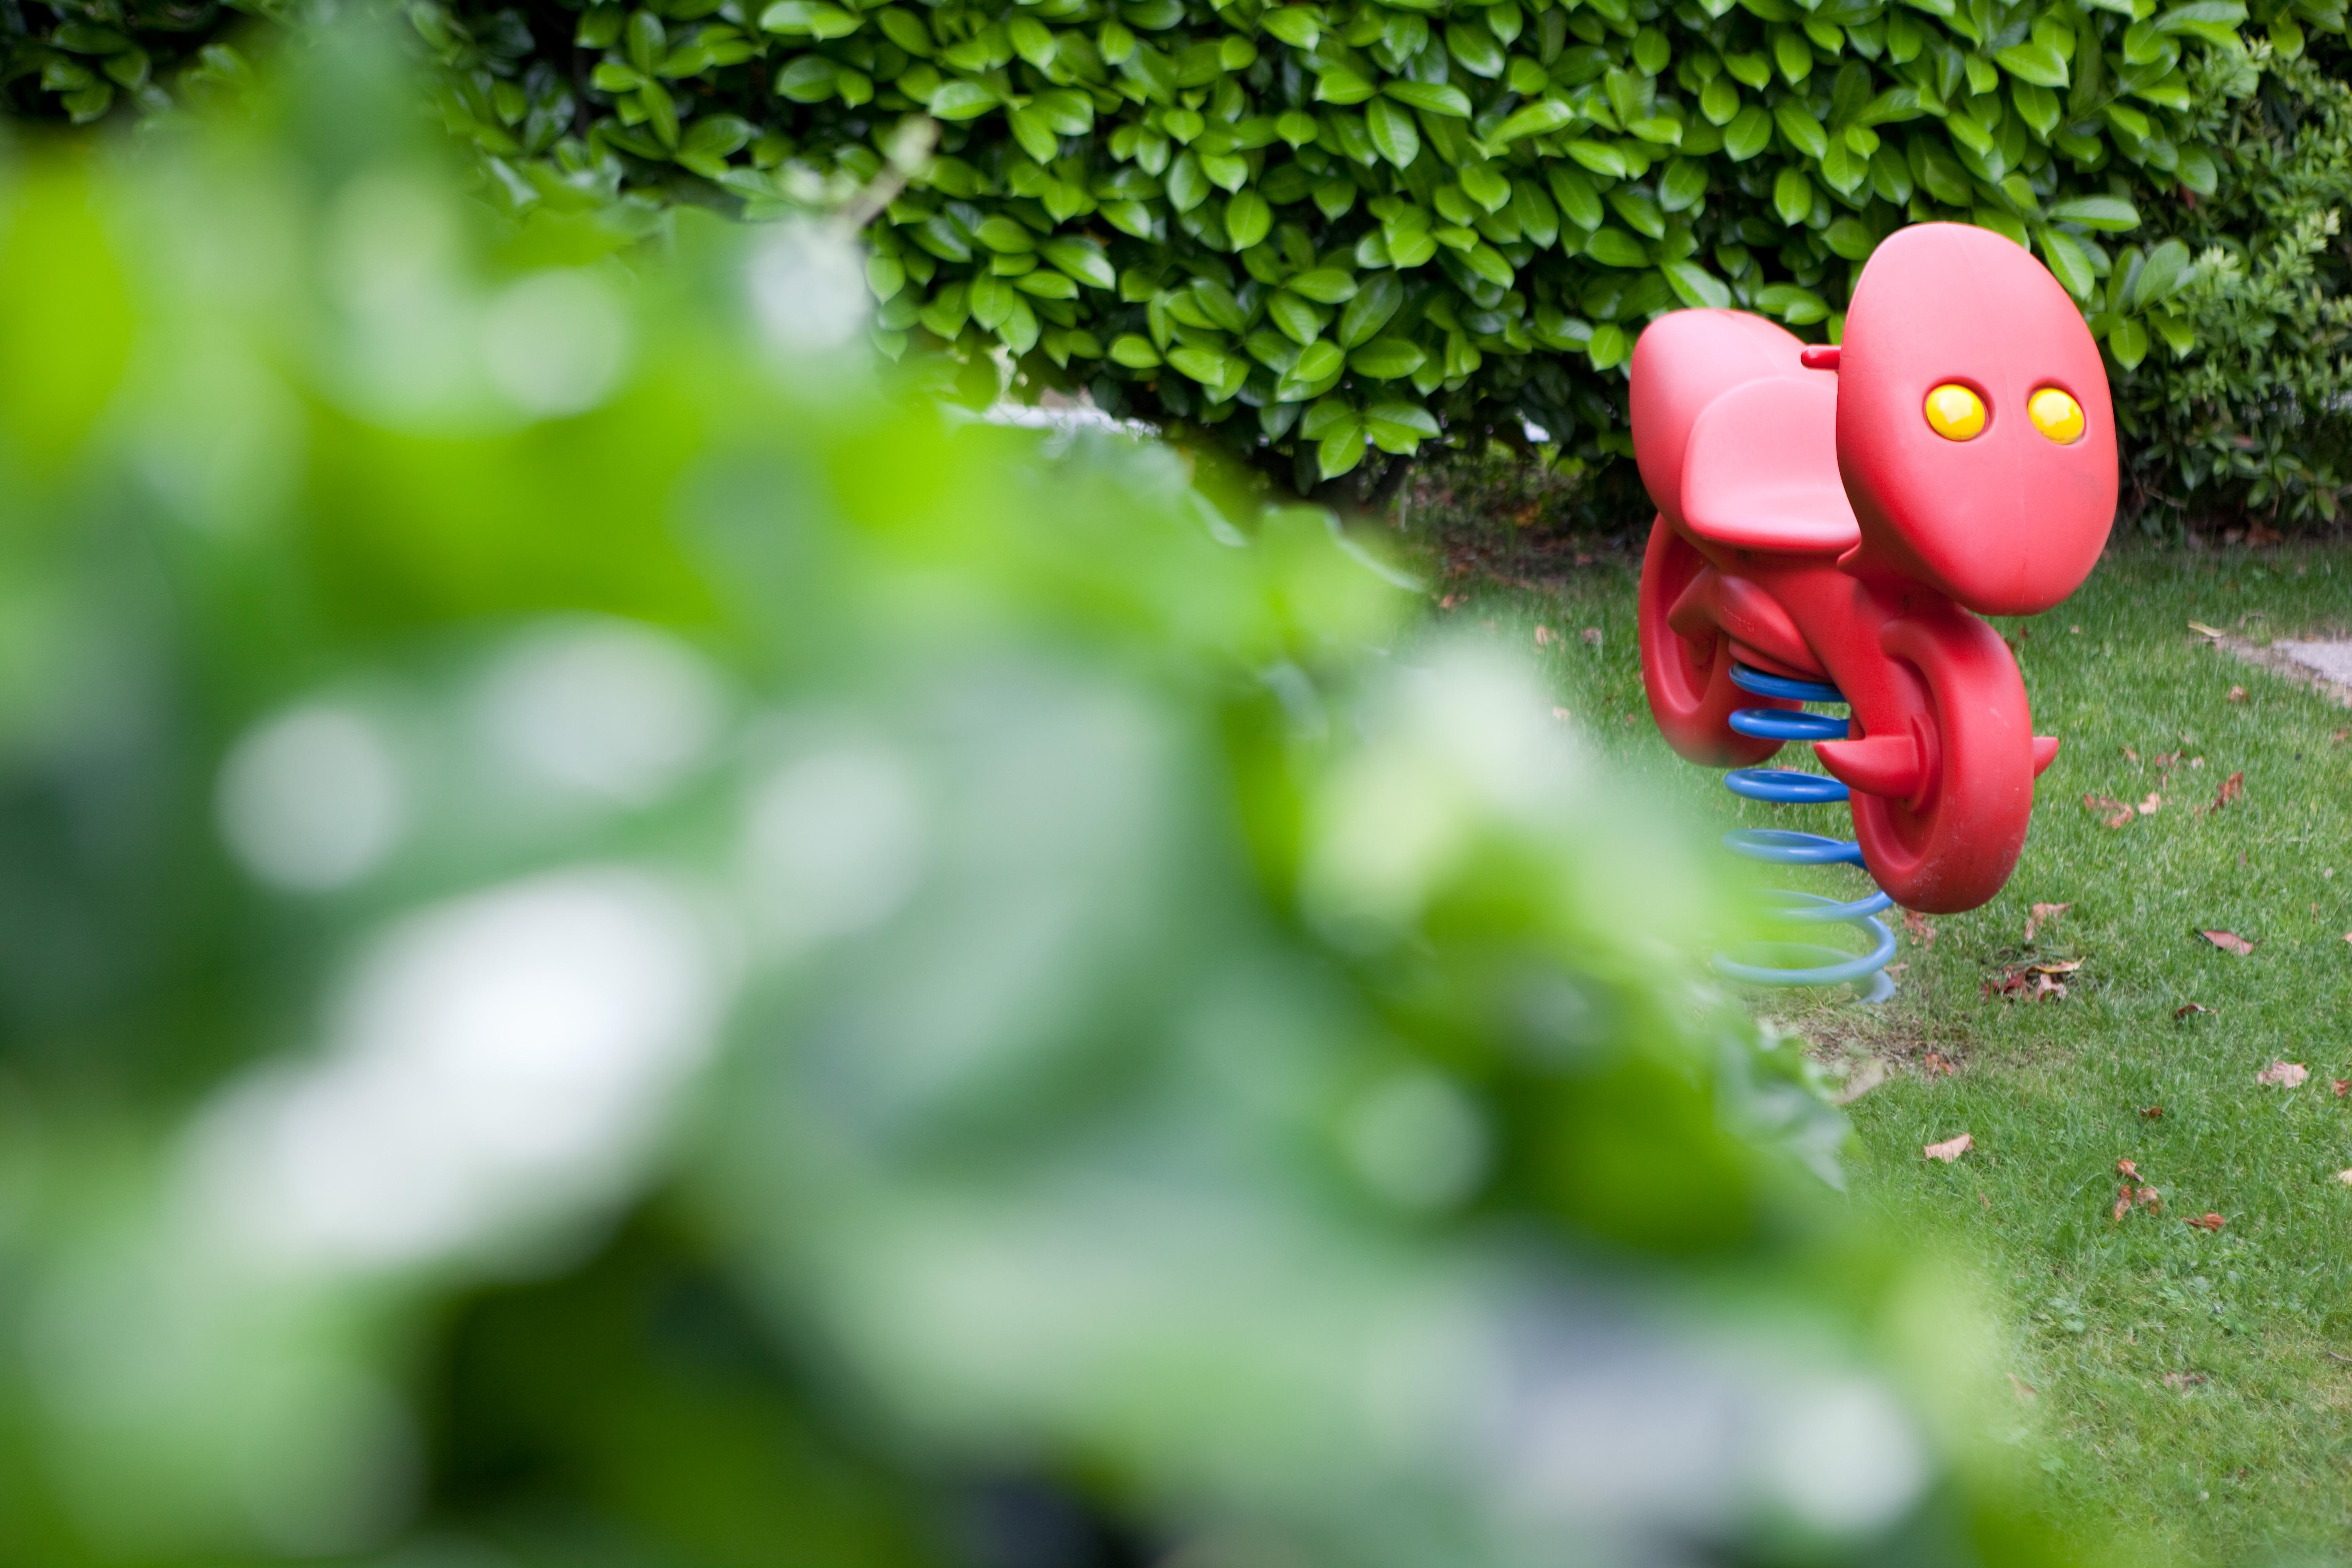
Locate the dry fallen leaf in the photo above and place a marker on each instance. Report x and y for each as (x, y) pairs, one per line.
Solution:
(2187, 1007)
(1591, 635)
(2208, 1222)
(2201, 629)
(2345, 1177)
(1562, 713)
(2152, 1112)
(2152, 805)
(2113, 811)
(2025, 1391)
(1543, 637)
(2287, 1075)
(1451, 600)
(1922, 934)
(2231, 788)
(2237, 694)
(1951, 1149)
(2132, 755)
(2343, 1086)
(2041, 915)
(2129, 1197)
(2231, 942)
(1937, 1064)
(2033, 980)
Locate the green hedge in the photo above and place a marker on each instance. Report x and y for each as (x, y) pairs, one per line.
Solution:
(1310, 233)
(2258, 418)
(80, 62)
(1315, 227)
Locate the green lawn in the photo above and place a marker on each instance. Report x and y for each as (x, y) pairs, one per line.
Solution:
(2192, 1387)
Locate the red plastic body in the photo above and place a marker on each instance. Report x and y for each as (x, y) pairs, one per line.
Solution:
(1812, 523)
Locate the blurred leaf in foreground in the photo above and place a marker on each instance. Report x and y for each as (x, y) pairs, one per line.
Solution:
(622, 942)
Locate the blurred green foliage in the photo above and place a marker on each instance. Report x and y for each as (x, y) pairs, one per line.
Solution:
(621, 943)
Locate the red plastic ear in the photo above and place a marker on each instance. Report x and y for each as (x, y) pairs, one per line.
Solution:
(2010, 521)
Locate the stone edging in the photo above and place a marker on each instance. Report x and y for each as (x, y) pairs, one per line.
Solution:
(2278, 663)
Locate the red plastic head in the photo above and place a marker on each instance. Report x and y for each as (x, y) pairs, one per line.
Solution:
(1990, 490)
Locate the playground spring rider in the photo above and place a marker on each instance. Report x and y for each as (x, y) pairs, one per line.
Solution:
(1827, 519)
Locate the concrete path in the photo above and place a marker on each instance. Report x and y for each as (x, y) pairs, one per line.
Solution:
(2328, 661)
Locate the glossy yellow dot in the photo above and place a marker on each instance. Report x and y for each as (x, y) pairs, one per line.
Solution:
(1955, 413)
(2055, 415)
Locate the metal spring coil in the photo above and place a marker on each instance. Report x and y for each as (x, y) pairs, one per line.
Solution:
(1803, 962)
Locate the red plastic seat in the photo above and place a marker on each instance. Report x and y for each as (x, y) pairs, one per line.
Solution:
(1761, 469)
(1736, 438)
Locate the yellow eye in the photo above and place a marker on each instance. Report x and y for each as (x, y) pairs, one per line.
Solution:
(2055, 415)
(1955, 413)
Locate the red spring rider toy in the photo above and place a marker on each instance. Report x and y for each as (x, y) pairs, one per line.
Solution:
(1829, 517)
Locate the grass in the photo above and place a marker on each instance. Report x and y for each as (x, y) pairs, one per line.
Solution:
(2192, 1388)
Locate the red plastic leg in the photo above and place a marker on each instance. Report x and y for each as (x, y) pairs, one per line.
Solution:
(1688, 679)
(1952, 843)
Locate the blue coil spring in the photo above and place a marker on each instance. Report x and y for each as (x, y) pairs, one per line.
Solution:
(1803, 962)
